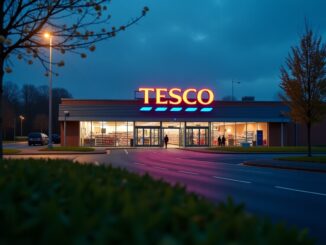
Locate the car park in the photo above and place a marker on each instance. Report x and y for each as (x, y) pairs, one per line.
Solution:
(37, 138)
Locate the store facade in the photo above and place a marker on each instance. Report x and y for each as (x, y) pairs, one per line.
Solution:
(190, 118)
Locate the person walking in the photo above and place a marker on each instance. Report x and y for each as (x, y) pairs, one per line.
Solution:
(166, 141)
(219, 141)
(223, 140)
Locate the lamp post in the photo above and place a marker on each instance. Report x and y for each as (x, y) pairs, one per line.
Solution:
(64, 127)
(14, 129)
(233, 88)
(47, 35)
(21, 124)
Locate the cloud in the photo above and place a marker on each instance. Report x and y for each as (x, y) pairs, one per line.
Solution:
(193, 43)
(198, 37)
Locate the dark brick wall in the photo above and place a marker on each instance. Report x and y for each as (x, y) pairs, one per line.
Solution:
(72, 131)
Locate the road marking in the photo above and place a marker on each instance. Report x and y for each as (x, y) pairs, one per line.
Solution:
(303, 191)
(108, 152)
(126, 151)
(160, 168)
(139, 163)
(235, 180)
(187, 172)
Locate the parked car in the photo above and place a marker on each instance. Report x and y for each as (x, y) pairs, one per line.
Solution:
(37, 138)
(56, 138)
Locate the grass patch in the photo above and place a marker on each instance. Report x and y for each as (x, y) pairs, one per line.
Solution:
(271, 149)
(59, 202)
(69, 148)
(315, 159)
(10, 151)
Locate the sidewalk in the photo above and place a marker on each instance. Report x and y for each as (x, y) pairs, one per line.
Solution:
(304, 166)
(36, 151)
(201, 150)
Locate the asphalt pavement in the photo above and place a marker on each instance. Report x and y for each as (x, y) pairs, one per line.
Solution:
(297, 198)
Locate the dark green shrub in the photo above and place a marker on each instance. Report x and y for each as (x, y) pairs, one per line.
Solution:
(59, 202)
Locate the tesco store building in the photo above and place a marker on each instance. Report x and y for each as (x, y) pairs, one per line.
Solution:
(189, 117)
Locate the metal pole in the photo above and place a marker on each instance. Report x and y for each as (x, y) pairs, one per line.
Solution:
(14, 129)
(50, 96)
(246, 132)
(21, 127)
(64, 132)
(282, 143)
(232, 91)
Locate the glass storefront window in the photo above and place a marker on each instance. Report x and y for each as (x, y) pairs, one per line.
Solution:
(196, 124)
(147, 124)
(121, 133)
(171, 124)
(98, 133)
(226, 129)
(86, 138)
(237, 133)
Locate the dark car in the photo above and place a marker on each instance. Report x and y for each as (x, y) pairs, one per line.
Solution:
(37, 138)
(56, 139)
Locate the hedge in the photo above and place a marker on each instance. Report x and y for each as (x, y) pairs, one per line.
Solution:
(60, 202)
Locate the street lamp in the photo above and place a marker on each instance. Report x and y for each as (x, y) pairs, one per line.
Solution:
(64, 127)
(21, 124)
(233, 88)
(47, 35)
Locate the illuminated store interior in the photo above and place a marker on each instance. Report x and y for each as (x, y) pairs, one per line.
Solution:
(181, 134)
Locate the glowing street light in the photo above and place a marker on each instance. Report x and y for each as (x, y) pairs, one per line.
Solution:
(21, 124)
(48, 36)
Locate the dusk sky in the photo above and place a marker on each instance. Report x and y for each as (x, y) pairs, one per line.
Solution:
(189, 43)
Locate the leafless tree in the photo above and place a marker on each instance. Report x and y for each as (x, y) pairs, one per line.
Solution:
(41, 123)
(75, 25)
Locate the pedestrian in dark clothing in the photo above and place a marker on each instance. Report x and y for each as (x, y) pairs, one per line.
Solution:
(219, 141)
(166, 141)
(223, 140)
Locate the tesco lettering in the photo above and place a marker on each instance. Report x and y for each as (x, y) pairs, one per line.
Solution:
(176, 96)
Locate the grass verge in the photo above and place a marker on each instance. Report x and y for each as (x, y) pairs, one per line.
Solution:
(314, 159)
(59, 202)
(10, 151)
(271, 149)
(69, 148)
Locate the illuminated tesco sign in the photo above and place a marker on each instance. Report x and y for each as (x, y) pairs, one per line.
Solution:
(176, 96)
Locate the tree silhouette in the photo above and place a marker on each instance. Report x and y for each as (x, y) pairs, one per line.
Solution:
(76, 25)
(304, 81)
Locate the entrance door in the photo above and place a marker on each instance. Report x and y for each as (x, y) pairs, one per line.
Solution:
(174, 136)
(197, 136)
(147, 136)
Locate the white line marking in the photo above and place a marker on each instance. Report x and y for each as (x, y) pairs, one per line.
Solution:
(187, 172)
(126, 151)
(139, 163)
(108, 152)
(303, 191)
(160, 168)
(235, 180)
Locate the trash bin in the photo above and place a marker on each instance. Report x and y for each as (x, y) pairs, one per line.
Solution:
(131, 142)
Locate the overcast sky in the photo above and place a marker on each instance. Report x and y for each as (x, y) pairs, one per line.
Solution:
(188, 43)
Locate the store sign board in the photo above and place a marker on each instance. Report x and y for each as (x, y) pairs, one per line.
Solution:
(177, 96)
(176, 99)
